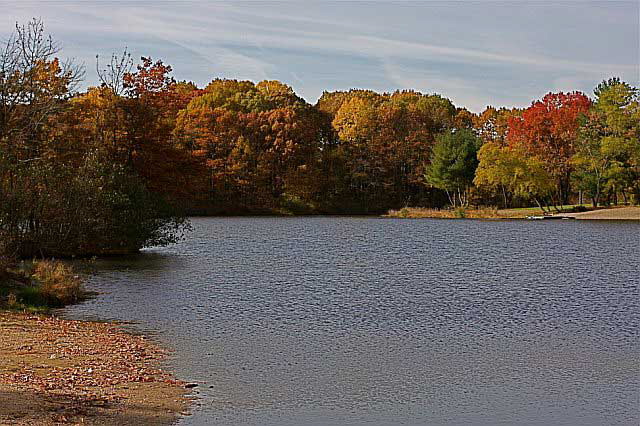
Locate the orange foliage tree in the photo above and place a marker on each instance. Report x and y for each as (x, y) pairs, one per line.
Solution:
(383, 144)
(256, 140)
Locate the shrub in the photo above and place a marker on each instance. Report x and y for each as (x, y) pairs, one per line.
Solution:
(460, 212)
(292, 204)
(12, 300)
(58, 284)
(96, 209)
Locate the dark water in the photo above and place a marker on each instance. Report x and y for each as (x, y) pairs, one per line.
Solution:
(363, 321)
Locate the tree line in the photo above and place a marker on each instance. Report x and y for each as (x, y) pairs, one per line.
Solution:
(116, 167)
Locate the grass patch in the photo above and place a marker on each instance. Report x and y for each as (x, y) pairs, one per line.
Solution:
(17, 296)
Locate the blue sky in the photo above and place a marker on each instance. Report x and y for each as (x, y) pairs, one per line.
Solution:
(475, 53)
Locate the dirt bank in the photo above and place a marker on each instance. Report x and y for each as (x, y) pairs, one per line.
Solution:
(56, 371)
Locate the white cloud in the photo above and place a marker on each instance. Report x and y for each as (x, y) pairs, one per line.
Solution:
(402, 49)
(461, 91)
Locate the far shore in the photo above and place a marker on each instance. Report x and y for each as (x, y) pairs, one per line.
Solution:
(611, 213)
(55, 371)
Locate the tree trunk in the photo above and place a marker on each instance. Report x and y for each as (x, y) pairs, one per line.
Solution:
(504, 197)
(451, 201)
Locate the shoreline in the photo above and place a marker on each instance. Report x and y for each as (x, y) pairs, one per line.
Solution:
(616, 213)
(611, 213)
(80, 372)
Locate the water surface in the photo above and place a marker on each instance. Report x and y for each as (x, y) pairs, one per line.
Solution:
(365, 321)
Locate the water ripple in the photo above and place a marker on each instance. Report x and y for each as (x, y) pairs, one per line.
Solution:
(354, 321)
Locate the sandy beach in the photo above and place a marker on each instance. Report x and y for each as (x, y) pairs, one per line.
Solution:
(56, 371)
(617, 213)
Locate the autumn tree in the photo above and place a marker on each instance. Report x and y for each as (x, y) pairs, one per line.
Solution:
(492, 124)
(548, 131)
(257, 140)
(34, 83)
(153, 100)
(383, 143)
(62, 193)
(512, 173)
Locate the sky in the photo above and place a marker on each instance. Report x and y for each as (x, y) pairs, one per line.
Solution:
(476, 53)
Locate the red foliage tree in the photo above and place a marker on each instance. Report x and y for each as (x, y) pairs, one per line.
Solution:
(548, 130)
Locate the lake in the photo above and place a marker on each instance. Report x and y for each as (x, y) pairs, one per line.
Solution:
(368, 321)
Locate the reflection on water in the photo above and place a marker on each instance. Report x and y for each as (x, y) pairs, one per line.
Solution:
(354, 321)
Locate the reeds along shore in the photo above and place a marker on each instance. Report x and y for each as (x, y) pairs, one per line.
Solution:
(616, 213)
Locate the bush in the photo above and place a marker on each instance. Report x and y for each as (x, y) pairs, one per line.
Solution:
(292, 204)
(460, 212)
(58, 284)
(404, 212)
(12, 300)
(49, 209)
